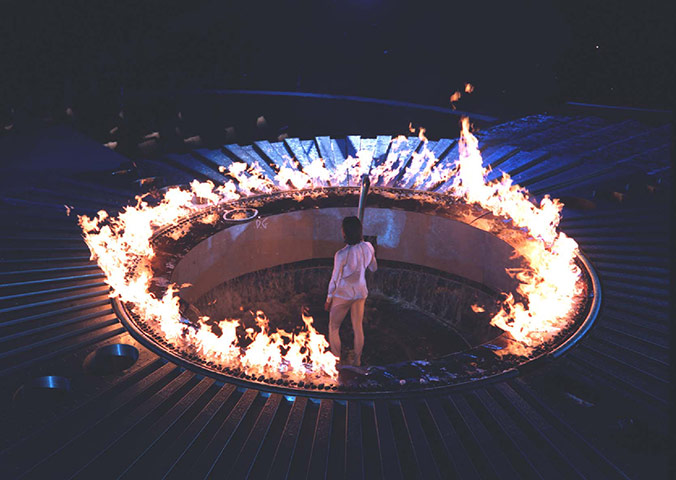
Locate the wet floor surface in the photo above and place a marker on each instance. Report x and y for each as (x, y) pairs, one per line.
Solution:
(395, 329)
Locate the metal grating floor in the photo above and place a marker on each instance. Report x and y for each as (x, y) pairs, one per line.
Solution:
(598, 412)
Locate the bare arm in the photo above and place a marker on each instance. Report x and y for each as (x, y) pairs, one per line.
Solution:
(335, 276)
(373, 266)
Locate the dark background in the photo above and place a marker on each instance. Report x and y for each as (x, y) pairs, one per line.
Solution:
(521, 55)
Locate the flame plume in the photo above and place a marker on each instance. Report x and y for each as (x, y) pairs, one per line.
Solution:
(550, 283)
(123, 249)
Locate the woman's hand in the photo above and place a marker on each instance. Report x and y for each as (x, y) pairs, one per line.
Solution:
(327, 305)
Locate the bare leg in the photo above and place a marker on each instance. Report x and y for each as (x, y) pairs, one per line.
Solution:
(357, 314)
(339, 309)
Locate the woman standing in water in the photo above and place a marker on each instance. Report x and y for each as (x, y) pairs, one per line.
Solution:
(347, 289)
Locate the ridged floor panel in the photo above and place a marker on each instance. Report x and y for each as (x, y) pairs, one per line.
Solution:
(600, 411)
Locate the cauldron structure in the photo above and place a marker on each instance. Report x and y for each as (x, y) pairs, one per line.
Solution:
(302, 226)
(86, 395)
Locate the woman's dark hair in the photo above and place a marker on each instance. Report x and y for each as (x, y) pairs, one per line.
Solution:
(352, 230)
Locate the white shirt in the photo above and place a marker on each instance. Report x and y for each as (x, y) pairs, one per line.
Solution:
(349, 265)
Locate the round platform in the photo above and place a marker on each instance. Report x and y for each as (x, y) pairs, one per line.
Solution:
(115, 408)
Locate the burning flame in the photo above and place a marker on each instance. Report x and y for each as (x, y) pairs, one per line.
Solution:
(549, 285)
(469, 88)
(123, 249)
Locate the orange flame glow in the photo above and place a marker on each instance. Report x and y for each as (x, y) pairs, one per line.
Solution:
(122, 247)
(549, 285)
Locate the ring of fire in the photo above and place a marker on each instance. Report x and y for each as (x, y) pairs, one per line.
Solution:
(496, 358)
(554, 304)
